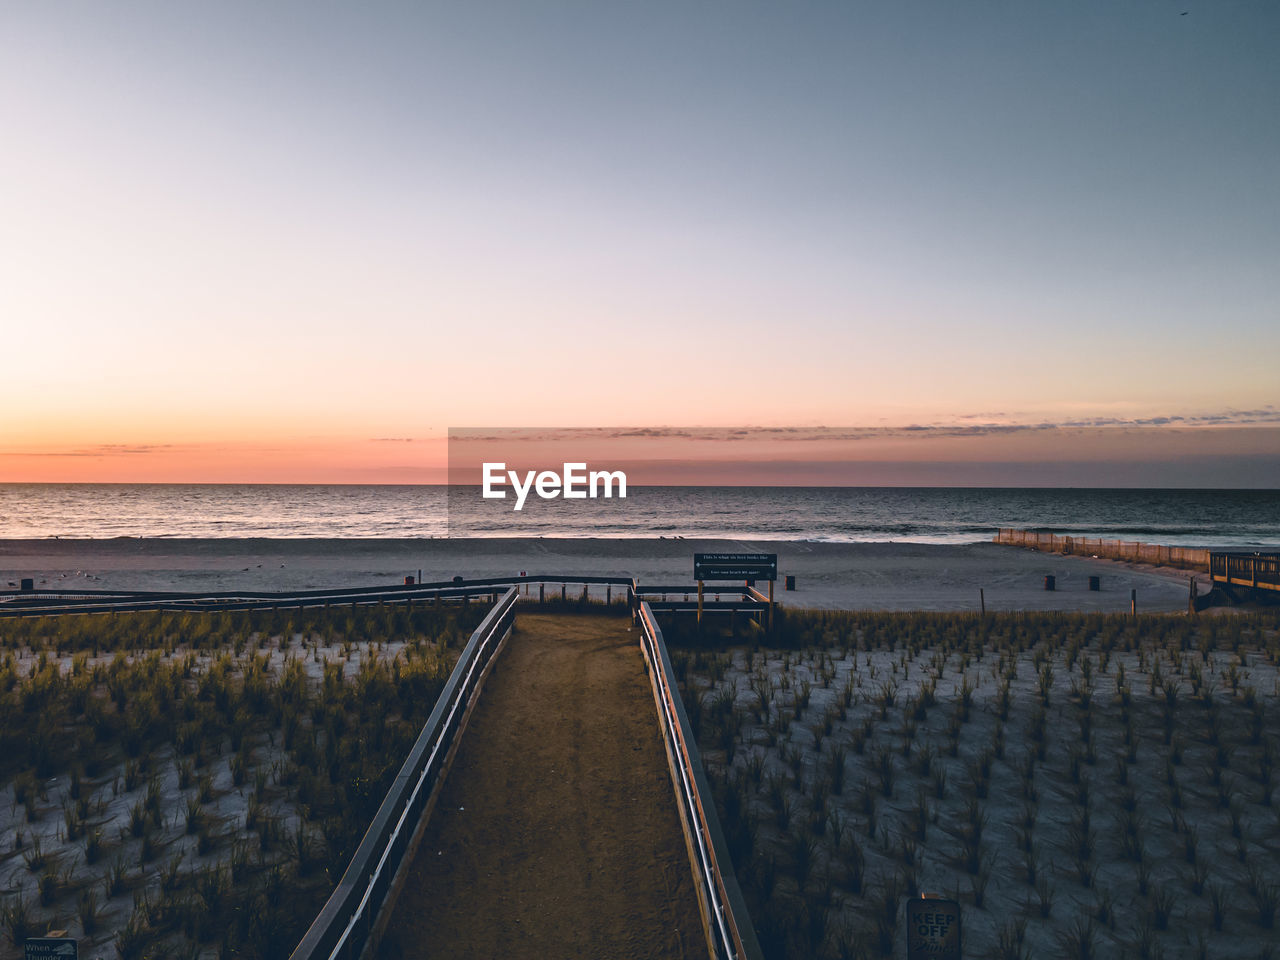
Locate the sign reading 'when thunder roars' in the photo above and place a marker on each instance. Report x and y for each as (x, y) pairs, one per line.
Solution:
(933, 929)
(48, 948)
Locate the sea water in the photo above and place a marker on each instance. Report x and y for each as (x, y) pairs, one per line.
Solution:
(1239, 518)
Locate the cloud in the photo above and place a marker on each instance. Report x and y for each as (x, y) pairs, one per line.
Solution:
(964, 425)
(97, 450)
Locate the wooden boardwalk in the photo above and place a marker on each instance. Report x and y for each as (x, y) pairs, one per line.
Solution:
(556, 834)
(1257, 571)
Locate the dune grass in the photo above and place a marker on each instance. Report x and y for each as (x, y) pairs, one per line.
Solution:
(186, 784)
(1084, 785)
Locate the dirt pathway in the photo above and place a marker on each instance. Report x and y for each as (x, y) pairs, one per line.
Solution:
(556, 834)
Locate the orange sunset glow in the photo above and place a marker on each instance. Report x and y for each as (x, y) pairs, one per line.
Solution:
(227, 261)
(685, 456)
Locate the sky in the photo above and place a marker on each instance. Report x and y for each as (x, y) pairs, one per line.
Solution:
(301, 241)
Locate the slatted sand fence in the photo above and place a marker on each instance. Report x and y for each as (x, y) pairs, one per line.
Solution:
(556, 833)
(1133, 551)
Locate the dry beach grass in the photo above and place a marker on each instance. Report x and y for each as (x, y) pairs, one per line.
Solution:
(194, 784)
(1085, 786)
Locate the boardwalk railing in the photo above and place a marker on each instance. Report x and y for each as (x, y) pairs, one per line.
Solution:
(343, 928)
(1259, 571)
(26, 603)
(730, 935)
(39, 602)
(1134, 551)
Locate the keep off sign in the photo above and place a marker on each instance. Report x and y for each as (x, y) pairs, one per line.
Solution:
(933, 929)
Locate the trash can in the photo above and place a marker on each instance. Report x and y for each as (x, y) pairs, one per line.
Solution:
(28, 585)
(408, 581)
(1095, 583)
(791, 581)
(1050, 582)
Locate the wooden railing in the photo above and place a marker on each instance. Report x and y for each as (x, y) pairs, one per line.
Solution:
(342, 929)
(730, 935)
(1259, 571)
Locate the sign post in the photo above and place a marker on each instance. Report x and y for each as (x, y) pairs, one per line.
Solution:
(735, 566)
(933, 929)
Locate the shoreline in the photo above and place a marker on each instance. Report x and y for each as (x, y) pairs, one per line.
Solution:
(884, 575)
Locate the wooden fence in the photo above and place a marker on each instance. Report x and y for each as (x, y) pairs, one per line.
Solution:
(1188, 558)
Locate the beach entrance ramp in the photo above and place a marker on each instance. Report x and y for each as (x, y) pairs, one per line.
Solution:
(556, 832)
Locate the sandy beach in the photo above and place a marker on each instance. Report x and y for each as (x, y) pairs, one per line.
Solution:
(851, 576)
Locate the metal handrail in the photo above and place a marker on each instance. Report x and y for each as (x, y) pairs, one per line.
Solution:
(56, 602)
(267, 594)
(729, 924)
(662, 590)
(127, 604)
(14, 603)
(342, 927)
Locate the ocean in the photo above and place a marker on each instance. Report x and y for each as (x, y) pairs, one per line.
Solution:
(1218, 518)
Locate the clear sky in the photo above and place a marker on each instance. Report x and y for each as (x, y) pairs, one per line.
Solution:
(299, 241)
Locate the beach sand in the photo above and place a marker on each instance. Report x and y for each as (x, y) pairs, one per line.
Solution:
(850, 576)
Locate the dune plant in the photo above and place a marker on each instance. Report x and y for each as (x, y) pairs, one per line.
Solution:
(1043, 896)
(34, 856)
(978, 883)
(1080, 940)
(1011, 940)
(1160, 906)
(884, 907)
(1219, 900)
(802, 848)
(17, 920)
(50, 887)
(1265, 896)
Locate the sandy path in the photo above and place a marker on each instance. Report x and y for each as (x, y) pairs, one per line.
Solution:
(556, 834)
